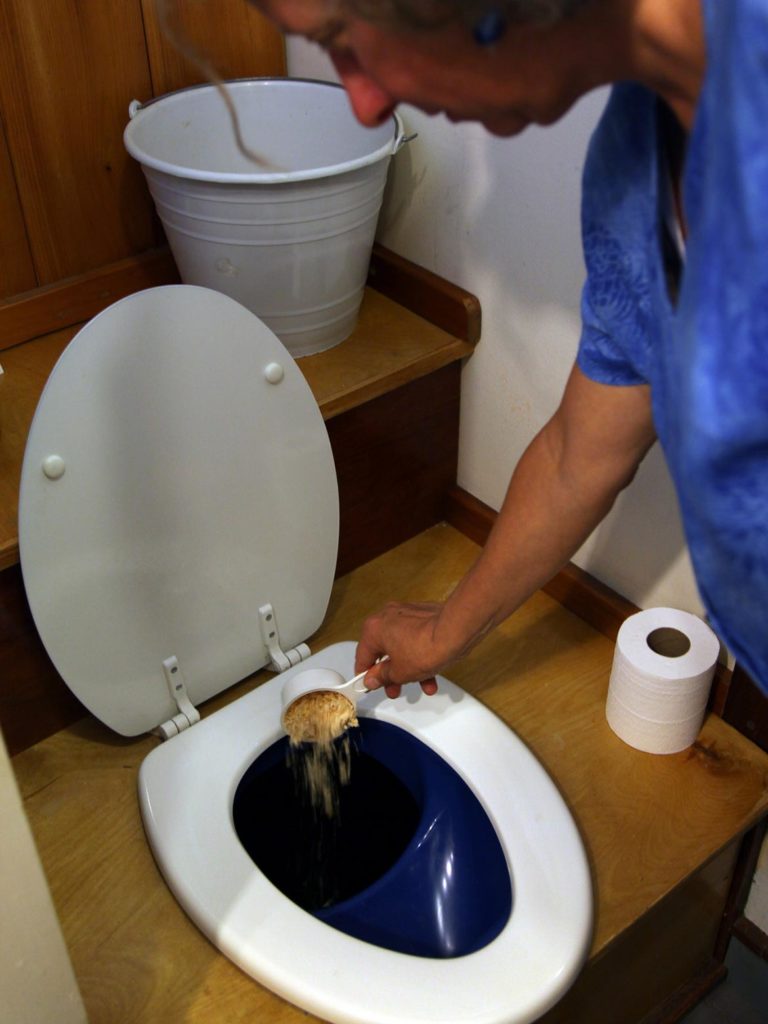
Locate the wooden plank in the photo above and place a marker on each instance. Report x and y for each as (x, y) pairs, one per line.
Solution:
(232, 36)
(471, 516)
(743, 878)
(389, 347)
(754, 938)
(395, 461)
(74, 300)
(654, 826)
(437, 300)
(42, 310)
(68, 71)
(26, 369)
(746, 708)
(17, 272)
(687, 996)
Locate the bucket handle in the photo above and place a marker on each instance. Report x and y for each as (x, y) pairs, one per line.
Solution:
(402, 139)
(133, 108)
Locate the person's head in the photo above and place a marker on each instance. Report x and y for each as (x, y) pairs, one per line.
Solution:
(430, 13)
(506, 64)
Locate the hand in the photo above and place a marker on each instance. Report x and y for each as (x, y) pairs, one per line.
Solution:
(405, 633)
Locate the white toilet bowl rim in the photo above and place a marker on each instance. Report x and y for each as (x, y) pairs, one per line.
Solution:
(516, 977)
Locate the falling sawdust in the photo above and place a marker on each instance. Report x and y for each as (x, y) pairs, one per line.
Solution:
(320, 752)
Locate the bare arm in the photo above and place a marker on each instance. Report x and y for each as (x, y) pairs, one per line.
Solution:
(562, 487)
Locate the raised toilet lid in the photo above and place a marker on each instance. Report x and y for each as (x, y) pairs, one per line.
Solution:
(177, 477)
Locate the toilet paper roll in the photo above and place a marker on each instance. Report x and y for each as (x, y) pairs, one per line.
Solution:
(662, 671)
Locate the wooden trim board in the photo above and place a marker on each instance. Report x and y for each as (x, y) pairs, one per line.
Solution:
(754, 938)
(441, 303)
(76, 299)
(746, 708)
(577, 590)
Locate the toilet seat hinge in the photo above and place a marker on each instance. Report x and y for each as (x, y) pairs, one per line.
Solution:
(279, 660)
(188, 713)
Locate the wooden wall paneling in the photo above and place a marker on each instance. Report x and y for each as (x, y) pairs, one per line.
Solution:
(35, 702)
(237, 40)
(396, 458)
(29, 315)
(25, 374)
(68, 71)
(17, 272)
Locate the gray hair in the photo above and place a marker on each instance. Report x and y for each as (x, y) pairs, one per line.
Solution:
(426, 14)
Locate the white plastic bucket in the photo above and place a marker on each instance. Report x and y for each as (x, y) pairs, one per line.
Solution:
(291, 241)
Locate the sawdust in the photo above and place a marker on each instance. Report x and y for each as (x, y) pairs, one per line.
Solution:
(320, 752)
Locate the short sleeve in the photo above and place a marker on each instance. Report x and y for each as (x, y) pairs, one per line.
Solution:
(618, 221)
(599, 356)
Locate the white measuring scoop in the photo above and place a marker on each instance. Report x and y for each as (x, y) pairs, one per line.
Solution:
(312, 680)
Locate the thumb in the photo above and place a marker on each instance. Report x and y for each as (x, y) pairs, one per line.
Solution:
(378, 674)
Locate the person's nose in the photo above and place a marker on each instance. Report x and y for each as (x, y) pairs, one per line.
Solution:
(371, 104)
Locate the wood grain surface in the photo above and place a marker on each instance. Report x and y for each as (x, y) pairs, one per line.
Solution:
(231, 35)
(25, 371)
(657, 829)
(70, 302)
(17, 272)
(67, 73)
(71, 198)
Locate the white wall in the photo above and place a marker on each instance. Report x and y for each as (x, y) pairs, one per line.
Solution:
(501, 218)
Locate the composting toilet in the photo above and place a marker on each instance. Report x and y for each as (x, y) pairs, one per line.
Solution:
(178, 531)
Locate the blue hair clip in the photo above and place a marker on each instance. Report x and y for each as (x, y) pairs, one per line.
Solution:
(490, 28)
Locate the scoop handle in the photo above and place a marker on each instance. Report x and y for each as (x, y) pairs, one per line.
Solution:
(356, 682)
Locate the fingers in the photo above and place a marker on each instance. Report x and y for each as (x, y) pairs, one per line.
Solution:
(379, 677)
(397, 645)
(429, 686)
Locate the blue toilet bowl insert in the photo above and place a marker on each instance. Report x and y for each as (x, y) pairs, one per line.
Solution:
(350, 962)
(410, 861)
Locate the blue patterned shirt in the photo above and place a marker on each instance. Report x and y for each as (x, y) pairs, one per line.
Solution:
(705, 357)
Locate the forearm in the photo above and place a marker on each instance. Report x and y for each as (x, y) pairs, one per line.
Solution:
(545, 518)
(561, 488)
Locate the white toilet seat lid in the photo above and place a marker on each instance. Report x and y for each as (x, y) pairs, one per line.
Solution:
(177, 477)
